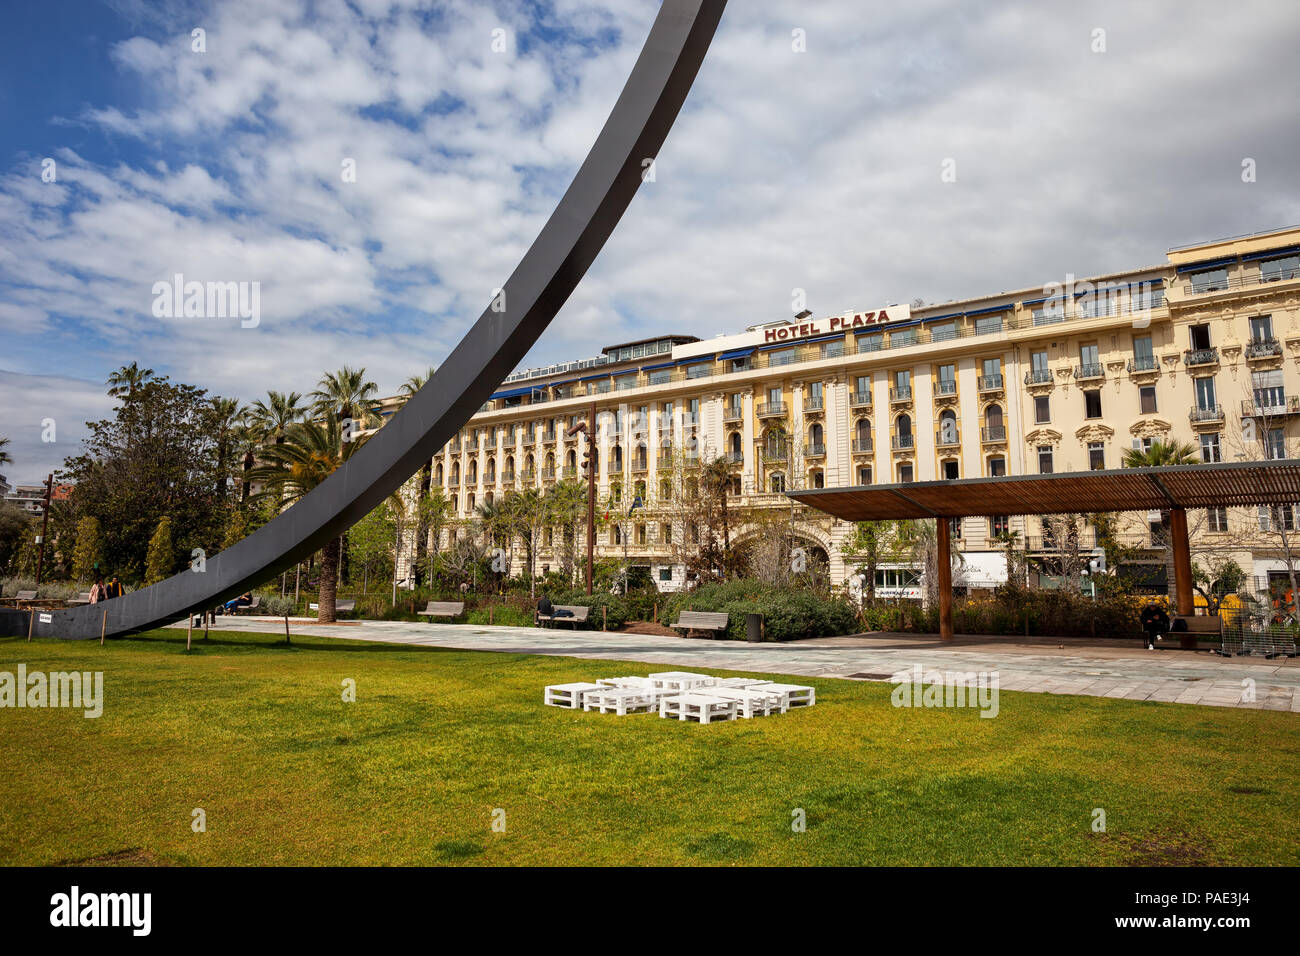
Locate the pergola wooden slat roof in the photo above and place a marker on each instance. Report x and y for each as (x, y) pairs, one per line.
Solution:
(1226, 484)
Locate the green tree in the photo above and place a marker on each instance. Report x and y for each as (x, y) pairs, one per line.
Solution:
(16, 529)
(346, 394)
(5, 457)
(1224, 576)
(155, 456)
(162, 557)
(371, 541)
(226, 413)
(124, 382)
(86, 554)
(310, 453)
(405, 393)
(1161, 454)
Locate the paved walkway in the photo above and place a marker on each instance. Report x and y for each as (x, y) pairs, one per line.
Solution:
(1182, 677)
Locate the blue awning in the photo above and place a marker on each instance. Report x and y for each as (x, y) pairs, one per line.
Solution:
(937, 318)
(997, 308)
(1271, 254)
(651, 368)
(777, 345)
(514, 393)
(588, 378)
(735, 354)
(1207, 264)
(1046, 298)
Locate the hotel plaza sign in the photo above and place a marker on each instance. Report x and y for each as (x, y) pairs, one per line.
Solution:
(836, 323)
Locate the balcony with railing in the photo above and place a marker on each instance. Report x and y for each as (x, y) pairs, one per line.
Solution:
(508, 442)
(945, 388)
(569, 471)
(903, 442)
(548, 436)
(1198, 415)
(774, 453)
(1263, 348)
(814, 450)
(1194, 357)
(732, 413)
(736, 457)
(548, 474)
(1143, 363)
(901, 394)
(1078, 541)
(947, 438)
(990, 383)
(507, 477)
(863, 446)
(814, 404)
(1088, 372)
(1269, 404)
(771, 410)
(993, 433)
(1038, 376)
(640, 464)
(859, 399)
(1221, 283)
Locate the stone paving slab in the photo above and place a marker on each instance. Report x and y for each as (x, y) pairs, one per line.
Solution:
(1200, 679)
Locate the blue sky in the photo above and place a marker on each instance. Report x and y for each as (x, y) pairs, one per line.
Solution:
(815, 169)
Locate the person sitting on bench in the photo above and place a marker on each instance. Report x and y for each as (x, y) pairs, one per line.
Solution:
(230, 607)
(546, 609)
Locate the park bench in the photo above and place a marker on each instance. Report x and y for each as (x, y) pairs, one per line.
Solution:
(1184, 626)
(690, 621)
(577, 615)
(250, 608)
(701, 706)
(443, 609)
(339, 606)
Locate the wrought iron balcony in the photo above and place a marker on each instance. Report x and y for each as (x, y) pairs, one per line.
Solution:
(1263, 348)
(814, 404)
(901, 394)
(1038, 376)
(863, 446)
(990, 383)
(1200, 357)
(732, 413)
(942, 440)
(771, 410)
(1143, 363)
(859, 399)
(903, 441)
(1090, 371)
(945, 386)
(1271, 405)
(817, 450)
(1211, 413)
(993, 433)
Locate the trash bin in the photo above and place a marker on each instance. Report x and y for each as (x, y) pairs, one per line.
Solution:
(754, 627)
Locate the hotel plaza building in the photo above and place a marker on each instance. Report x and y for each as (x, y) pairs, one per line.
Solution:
(1203, 348)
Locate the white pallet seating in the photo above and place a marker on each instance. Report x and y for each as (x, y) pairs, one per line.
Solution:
(751, 701)
(738, 682)
(567, 695)
(702, 707)
(619, 700)
(681, 681)
(636, 683)
(796, 695)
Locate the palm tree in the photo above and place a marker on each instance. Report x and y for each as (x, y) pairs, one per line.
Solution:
(276, 414)
(347, 395)
(5, 457)
(227, 413)
(310, 452)
(127, 379)
(1161, 454)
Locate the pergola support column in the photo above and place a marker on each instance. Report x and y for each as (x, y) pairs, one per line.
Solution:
(943, 535)
(1182, 568)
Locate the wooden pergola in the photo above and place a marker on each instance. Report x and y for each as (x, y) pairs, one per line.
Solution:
(1173, 488)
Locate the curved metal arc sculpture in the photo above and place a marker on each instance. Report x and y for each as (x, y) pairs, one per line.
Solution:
(539, 286)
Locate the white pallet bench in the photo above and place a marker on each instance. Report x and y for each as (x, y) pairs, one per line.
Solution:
(641, 683)
(738, 682)
(751, 702)
(795, 695)
(568, 695)
(702, 707)
(681, 681)
(618, 700)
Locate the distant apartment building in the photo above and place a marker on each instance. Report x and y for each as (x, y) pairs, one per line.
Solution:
(1067, 376)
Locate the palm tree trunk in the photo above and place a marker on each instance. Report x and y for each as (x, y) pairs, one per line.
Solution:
(329, 566)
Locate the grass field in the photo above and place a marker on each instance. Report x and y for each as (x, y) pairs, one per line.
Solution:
(257, 735)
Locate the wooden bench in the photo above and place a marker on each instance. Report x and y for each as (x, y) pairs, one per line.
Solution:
(250, 608)
(577, 615)
(443, 609)
(349, 605)
(1187, 625)
(690, 621)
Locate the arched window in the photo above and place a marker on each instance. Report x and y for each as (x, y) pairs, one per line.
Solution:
(510, 465)
(815, 434)
(862, 433)
(491, 471)
(473, 472)
(437, 474)
(455, 473)
(666, 490)
(776, 483)
(571, 460)
(469, 501)
(735, 446)
(550, 461)
(488, 498)
(817, 478)
(947, 426)
(993, 416)
(904, 426)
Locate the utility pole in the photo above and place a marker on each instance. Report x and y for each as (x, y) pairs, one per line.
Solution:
(45, 524)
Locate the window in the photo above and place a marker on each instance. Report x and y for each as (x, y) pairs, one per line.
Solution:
(1144, 356)
(1276, 444)
(1210, 280)
(1210, 451)
(1287, 267)
(954, 528)
(997, 467)
(1276, 518)
(1096, 455)
(1270, 396)
(1200, 336)
(1261, 328)
(947, 383)
(992, 370)
(1042, 409)
(1205, 394)
(1050, 312)
(1089, 360)
(943, 332)
(1216, 519)
(666, 532)
(816, 394)
(665, 574)
(951, 471)
(774, 395)
(988, 324)
(999, 524)
(776, 483)
(1145, 296)
(864, 474)
(871, 343)
(862, 385)
(1092, 404)
(903, 382)
(1038, 361)
(905, 473)
(948, 427)
(1147, 396)
(1099, 302)
(1044, 459)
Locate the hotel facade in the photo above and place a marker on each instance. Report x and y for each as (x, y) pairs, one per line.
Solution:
(1202, 349)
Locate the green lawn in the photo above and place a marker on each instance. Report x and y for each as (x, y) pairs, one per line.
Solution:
(256, 734)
